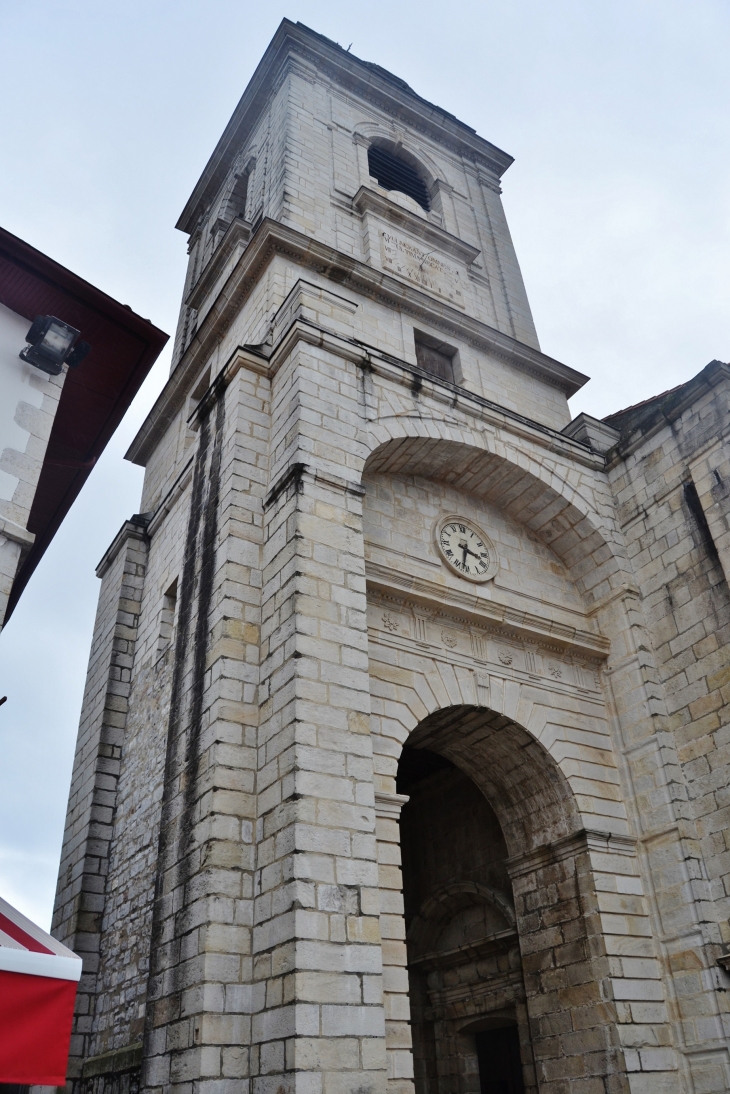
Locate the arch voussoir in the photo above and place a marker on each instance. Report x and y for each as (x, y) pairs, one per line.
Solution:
(565, 509)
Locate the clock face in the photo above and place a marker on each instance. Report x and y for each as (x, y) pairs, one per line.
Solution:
(466, 549)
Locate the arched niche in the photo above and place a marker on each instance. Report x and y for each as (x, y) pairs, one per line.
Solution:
(572, 520)
(458, 912)
(433, 171)
(507, 937)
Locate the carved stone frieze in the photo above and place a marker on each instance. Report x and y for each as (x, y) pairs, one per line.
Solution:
(487, 616)
(400, 622)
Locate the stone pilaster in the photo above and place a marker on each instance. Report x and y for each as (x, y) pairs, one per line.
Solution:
(392, 931)
(199, 995)
(673, 875)
(79, 906)
(593, 983)
(318, 1023)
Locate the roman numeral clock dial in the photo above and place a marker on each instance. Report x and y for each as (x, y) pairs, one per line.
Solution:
(466, 549)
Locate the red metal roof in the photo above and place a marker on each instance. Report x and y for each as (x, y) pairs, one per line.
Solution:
(95, 395)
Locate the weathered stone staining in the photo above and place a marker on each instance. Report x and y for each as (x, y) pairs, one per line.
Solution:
(341, 819)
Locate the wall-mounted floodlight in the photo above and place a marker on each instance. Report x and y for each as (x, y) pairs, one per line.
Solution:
(53, 344)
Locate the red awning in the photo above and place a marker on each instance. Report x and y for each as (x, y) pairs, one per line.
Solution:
(38, 981)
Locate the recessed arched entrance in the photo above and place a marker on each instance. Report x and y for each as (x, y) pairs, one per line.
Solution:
(506, 969)
(467, 993)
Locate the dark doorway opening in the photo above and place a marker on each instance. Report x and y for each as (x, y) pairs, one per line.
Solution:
(500, 1067)
(466, 986)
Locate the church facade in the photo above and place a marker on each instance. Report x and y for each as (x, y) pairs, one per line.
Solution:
(402, 763)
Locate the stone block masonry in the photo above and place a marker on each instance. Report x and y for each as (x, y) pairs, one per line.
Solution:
(84, 870)
(30, 402)
(343, 821)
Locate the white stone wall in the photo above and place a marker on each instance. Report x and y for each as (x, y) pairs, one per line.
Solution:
(78, 916)
(680, 569)
(530, 647)
(28, 404)
(318, 419)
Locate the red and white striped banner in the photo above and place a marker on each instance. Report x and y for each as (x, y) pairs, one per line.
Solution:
(38, 981)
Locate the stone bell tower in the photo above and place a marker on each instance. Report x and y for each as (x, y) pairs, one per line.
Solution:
(374, 744)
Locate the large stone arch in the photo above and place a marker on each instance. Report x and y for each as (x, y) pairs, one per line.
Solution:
(421, 697)
(556, 875)
(540, 749)
(570, 512)
(518, 775)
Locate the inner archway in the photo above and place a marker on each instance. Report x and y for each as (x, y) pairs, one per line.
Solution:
(504, 948)
(468, 1015)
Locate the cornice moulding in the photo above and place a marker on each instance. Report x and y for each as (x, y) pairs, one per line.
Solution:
(388, 806)
(272, 238)
(586, 840)
(16, 533)
(129, 530)
(485, 613)
(470, 952)
(468, 402)
(237, 234)
(401, 373)
(398, 372)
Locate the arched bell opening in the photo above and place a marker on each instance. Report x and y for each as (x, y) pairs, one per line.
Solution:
(399, 171)
(506, 965)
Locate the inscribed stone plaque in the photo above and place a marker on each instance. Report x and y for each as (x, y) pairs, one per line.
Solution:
(425, 268)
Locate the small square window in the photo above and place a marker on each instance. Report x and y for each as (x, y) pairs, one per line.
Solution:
(435, 357)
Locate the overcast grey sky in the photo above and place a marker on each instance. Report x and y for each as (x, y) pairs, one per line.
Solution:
(617, 114)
